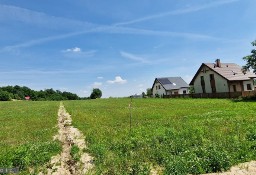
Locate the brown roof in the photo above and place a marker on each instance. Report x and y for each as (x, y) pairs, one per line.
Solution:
(229, 71)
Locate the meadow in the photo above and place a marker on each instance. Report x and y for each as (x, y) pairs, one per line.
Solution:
(26, 133)
(171, 136)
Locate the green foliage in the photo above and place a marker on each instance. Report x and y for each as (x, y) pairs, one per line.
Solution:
(96, 93)
(149, 92)
(191, 89)
(26, 133)
(157, 96)
(28, 155)
(19, 93)
(74, 152)
(5, 96)
(251, 59)
(183, 136)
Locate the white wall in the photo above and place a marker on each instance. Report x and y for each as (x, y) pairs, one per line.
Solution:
(220, 82)
(238, 86)
(183, 89)
(158, 91)
(248, 82)
(179, 91)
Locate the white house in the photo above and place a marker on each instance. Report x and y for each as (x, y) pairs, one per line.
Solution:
(169, 86)
(222, 77)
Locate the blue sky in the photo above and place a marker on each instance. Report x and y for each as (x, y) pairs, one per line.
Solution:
(116, 45)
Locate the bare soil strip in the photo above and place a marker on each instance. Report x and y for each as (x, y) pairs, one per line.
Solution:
(64, 164)
(247, 168)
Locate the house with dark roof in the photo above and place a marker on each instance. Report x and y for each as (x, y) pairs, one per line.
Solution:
(222, 77)
(169, 86)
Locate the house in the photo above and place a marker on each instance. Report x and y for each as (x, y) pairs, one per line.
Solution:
(169, 86)
(222, 78)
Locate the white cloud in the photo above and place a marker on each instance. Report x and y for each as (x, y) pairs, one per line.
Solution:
(133, 57)
(75, 49)
(99, 77)
(78, 52)
(97, 84)
(117, 80)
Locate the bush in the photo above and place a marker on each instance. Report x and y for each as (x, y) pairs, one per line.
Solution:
(5, 96)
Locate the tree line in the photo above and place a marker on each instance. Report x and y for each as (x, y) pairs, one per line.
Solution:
(20, 92)
(8, 93)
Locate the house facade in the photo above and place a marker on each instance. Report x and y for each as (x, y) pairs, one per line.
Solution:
(169, 86)
(222, 77)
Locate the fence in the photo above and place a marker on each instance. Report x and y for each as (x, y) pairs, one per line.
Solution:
(213, 95)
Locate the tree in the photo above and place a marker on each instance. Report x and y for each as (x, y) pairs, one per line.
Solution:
(149, 92)
(251, 60)
(96, 93)
(5, 96)
(191, 89)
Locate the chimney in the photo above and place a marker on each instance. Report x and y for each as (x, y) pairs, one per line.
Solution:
(218, 64)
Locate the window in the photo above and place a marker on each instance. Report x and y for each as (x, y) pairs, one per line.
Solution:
(184, 92)
(159, 87)
(203, 83)
(211, 77)
(234, 88)
(249, 87)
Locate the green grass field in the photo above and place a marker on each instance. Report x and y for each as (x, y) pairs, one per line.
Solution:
(26, 134)
(178, 136)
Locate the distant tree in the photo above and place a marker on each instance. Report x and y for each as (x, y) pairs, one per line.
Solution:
(143, 95)
(149, 92)
(191, 90)
(5, 96)
(70, 96)
(251, 60)
(19, 93)
(96, 93)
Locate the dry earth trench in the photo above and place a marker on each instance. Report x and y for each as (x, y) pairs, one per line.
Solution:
(64, 163)
(69, 136)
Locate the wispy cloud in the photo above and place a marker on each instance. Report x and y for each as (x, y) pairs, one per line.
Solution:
(177, 12)
(82, 27)
(8, 12)
(133, 57)
(117, 80)
(97, 84)
(111, 30)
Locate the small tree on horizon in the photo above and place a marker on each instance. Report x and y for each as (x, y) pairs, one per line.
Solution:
(251, 60)
(149, 92)
(96, 93)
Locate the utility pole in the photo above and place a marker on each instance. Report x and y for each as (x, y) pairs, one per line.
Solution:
(130, 106)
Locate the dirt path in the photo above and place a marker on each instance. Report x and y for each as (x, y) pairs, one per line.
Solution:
(247, 168)
(69, 136)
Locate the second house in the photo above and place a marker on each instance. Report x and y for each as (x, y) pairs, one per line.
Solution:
(169, 86)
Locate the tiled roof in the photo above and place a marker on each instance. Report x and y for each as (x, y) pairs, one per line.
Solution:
(170, 83)
(231, 71)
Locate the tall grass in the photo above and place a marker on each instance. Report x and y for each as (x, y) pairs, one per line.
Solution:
(26, 133)
(179, 135)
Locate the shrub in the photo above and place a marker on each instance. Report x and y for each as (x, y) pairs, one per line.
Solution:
(5, 96)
